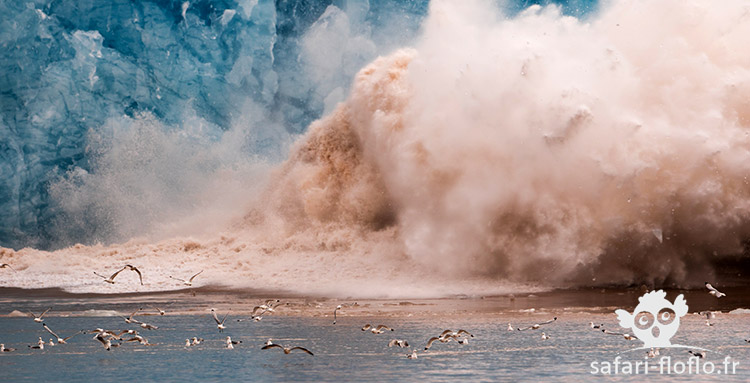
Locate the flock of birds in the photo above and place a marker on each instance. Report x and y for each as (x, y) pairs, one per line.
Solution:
(111, 339)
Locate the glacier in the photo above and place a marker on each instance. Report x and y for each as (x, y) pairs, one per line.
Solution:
(80, 76)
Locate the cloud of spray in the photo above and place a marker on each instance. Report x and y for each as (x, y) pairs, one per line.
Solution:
(543, 148)
(537, 148)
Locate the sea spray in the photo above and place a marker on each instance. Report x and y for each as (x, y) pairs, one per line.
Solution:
(495, 152)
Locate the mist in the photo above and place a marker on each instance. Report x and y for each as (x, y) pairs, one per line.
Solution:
(492, 154)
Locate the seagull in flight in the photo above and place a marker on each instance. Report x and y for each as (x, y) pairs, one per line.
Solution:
(536, 326)
(456, 333)
(138, 338)
(4, 265)
(376, 330)
(160, 311)
(130, 318)
(148, 326)
(713, 291)
(219, 323)
(59, 340)
(442, 339)
(39, 319)
(187, 282)
(287, 350)
(398, 342)
(624, 335)
(106, 342)
(111, 279)
(133, 268)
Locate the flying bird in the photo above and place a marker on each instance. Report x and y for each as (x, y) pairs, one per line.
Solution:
(105, 341)
(376, 330)
(287, 350)
(59, 340)
(111, 279)
(441, 339)
(138, 338)
(148, 326)
(398, 342)
(39, 319)
(536, 326)
(456, 333)
(713, 291)
(133, 268)
(219, 324)
(130, 318)
(187, 282)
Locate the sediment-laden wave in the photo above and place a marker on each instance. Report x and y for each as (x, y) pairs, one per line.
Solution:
(539, 150)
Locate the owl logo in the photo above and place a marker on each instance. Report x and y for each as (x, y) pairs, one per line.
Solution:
(655, 320)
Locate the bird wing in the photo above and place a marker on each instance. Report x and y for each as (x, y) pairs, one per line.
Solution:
(382, 326)
(101, 339)
(50, 331)
(45, 311)
(135, 312)
(100, 275)
(612, 332)
(446, 332)
(525, 328)
(117, 272)
(549, 321)
(213, 313)
(178, 279)
(140, 276)
(459, 332)
(256, 308)
(225, 317)
(392, 343)
(272, 345)
(301, 348)
(68, 337)
(431, 341)
(193, 277)
(366, 327)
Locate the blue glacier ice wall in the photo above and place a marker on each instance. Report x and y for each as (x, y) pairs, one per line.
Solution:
(83, 79)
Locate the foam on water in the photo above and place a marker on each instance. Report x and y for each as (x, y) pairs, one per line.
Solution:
(497, 151)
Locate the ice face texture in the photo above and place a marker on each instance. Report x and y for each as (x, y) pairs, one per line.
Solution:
(76, 75)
